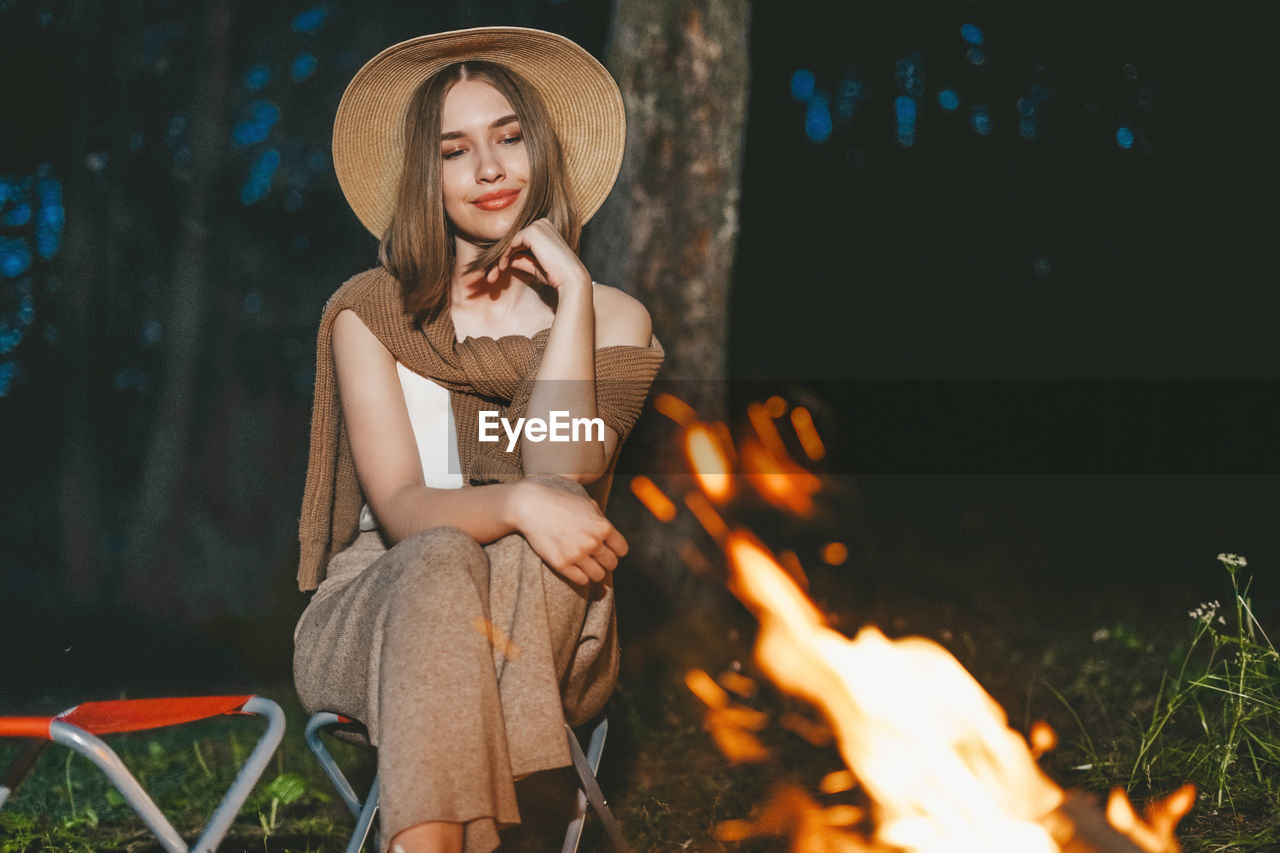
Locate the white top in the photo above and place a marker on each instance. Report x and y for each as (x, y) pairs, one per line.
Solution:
(431, 416)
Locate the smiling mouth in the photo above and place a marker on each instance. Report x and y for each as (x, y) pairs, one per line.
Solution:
(497, 200)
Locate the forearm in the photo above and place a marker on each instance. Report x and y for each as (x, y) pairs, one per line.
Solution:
(565, 382)
(485, 513)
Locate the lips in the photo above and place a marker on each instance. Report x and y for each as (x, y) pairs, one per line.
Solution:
(496, 200)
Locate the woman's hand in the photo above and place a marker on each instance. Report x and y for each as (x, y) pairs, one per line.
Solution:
(540, 251)
(567, 531)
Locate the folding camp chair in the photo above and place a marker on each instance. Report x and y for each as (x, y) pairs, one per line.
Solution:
(79, 728)
(584, 764)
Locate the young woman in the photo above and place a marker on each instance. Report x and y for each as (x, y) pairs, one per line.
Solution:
(464, 607)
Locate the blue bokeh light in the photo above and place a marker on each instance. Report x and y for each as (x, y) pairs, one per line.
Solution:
(851, 92)
(17, 215)
(7, 370)
(1026, 107)
(972, 34)
(976, 56)
(980, 120)
(248, 133)
(817, 119)
(152, 332)
(15, 256)
(50, 214)
(909, 75)
(905, 108)
(304, 65)
(1028, 128)
(264, 111)
(948, 100)
(1124, 137)
(130, 377)
(253, 130)
(176, 127)
(258, 184)
(9, 339)
(802, 84)
(257, 77)
(311, 20)
(317, 160)
(26, 311)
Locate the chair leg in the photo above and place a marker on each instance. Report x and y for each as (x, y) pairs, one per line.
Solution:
(20, 767)
(590, 791)
(365, 823)
(330, 767)
(364, 812)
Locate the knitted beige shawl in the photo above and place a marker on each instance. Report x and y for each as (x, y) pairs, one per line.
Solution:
(478, 373)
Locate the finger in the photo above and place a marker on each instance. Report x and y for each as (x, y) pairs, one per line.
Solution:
(591, 568)
(616, 543)
(529, 266)
(606, 558)
(574, 575)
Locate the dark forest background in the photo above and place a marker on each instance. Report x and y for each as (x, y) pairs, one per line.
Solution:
(1018, 258)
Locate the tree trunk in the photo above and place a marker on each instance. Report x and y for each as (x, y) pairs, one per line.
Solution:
(146, 585)
(668, 232)
(80, 495)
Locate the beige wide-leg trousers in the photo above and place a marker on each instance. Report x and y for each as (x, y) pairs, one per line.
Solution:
(463, 662)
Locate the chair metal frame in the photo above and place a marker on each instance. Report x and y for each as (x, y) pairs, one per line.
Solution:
(585, 765)
(79, 728)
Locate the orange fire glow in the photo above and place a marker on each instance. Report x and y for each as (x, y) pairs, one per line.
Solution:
(933, 751)
(802, 423)
(653, 498)
(709, 460)
(778, 479)
(928, 744)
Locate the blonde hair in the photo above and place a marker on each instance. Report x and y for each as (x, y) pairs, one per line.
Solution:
(418, 245)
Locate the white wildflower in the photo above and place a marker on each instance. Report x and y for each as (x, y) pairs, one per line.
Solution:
(1101, 634)
(1205, 611)
(1235, 561)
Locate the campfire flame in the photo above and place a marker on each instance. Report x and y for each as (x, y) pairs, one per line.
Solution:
(931, 748)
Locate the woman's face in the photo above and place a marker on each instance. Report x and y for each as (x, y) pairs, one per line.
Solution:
(485, 167)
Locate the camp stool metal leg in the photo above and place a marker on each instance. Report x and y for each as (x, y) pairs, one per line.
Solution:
(78, 728)
(364, 812)
(586, 767)
(584, 764)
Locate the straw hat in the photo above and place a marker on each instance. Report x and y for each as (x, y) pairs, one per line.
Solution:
(581, 98)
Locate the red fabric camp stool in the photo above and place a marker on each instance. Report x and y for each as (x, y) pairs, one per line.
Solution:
(585, 765)
(79, 728)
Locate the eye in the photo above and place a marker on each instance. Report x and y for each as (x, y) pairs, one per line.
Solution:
(512, 140)
(454, 154)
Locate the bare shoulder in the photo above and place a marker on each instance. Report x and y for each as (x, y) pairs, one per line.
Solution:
(353, 340)
(620, 318)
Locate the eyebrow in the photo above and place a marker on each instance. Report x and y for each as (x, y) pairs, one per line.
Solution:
(457, 134)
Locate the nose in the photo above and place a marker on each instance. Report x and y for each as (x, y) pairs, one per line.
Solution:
(489, 166)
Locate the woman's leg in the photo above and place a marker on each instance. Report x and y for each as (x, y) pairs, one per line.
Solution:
(403, 648)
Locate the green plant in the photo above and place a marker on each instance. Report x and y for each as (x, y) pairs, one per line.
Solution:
(1228, 686)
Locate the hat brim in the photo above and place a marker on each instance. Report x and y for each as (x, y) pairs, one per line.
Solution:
(580, 95)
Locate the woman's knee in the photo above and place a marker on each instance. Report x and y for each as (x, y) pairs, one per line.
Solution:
(436, 564)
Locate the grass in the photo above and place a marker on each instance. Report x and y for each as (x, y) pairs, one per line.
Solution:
(1137, 707)
(1209, 715)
